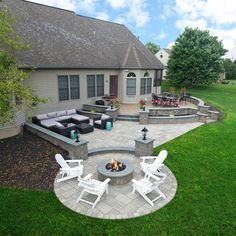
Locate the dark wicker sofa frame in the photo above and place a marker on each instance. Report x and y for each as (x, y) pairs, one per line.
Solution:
(103, 122)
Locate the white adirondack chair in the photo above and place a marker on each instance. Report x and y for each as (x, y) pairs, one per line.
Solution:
(154, 167)
(94, 187)
(146, 186)
(66, 171)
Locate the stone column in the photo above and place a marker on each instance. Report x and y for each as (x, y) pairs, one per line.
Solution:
(203, 108)
(143, 117)
(112, 112)
(143, 147)
(214, 115)
(79, 150)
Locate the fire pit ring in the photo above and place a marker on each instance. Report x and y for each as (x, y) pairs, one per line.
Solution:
(117, 177)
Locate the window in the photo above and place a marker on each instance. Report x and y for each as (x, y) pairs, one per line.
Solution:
(158, 78)
(100, 85)
(63, 87)
(68, 87)
(143, 86)
(95, 85)
(74, 87)
(91, 85)
(146, 86)
(131, 84)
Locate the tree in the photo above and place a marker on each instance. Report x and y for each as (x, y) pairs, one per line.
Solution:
(195, 59)
(230, 69)
(152, 47)
(14, 95)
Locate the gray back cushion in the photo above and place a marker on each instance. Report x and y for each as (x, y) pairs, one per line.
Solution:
(52, 115)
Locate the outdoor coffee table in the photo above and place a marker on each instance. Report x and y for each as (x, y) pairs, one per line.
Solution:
(84, 128)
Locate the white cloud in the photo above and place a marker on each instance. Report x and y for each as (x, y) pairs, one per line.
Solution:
(64, 4)
(171, 44)
(102, 16)
(228, 36)
(209, 14)
(117, 3)
(73, 5)
(200, 23)
(161, 36)
(220, 12)
(86, 5)
(120, 20)
(134, 11)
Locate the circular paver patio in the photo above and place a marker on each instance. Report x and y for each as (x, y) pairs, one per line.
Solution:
(120, 203)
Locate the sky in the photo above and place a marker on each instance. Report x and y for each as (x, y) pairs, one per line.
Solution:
(161, 21)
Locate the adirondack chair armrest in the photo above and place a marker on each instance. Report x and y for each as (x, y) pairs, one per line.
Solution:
(106, 181)
(147, 158)
(151, 165)
(69, 169)
(88, 176)
(74, 161)
(154, 177)
(136, 182)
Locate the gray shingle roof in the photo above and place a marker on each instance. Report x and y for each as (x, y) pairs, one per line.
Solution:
(62, 39)
(167, 50)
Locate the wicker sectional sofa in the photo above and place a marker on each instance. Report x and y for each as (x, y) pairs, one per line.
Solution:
(58, 121)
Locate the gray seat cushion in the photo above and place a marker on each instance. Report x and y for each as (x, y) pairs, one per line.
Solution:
(48, 123)
(60, 118)
(79, 117)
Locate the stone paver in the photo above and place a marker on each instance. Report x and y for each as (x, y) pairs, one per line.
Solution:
(124, 133)
(120, 203)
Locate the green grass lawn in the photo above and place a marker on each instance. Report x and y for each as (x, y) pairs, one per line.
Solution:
(204, 163)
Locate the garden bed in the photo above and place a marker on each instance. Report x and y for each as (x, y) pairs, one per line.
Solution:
(30, 164)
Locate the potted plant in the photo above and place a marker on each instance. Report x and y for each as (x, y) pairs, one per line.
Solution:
(171, 114)
(142, 104)
(116, 102)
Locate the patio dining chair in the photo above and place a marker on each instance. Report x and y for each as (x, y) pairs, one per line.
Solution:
(155, 165)
(94, 187)
(67, 172)
(148, 185)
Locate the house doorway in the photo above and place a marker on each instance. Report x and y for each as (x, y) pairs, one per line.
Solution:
(113, 85)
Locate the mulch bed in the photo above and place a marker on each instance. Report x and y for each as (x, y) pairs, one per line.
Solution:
(27, 161)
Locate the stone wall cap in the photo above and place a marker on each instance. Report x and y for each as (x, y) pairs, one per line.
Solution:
(215, 112)
(140, 140)
(146, 111)
(112, 110)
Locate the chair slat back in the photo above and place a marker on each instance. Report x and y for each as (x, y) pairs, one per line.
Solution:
(61, 161)
(161, 157)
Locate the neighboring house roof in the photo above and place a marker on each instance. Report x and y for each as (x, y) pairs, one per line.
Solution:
(167, 50)
(61, 39)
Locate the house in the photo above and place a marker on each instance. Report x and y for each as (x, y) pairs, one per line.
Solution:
(77, 59)
(163, 56)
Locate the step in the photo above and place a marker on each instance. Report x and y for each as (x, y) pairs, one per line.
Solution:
(127, 118)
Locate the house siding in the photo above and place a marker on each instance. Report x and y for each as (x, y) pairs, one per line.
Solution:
(164, 59)
(45, 85)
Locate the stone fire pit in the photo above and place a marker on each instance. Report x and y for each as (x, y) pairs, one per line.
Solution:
(117, 177)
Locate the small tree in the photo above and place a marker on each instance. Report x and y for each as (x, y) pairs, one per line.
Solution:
(195, 59)
(230, 69)
(152, 47)
(14, 95)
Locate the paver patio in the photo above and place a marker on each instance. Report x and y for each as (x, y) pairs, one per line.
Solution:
(120, 203)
